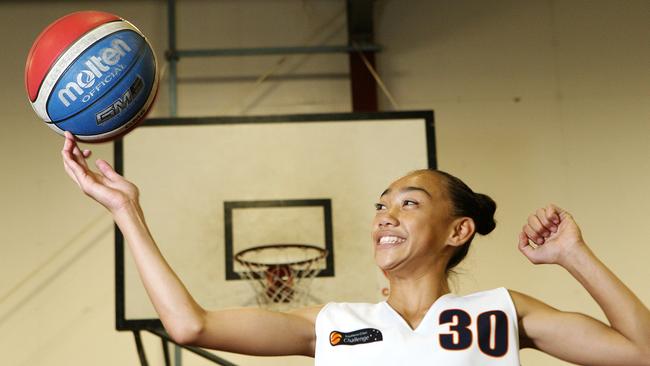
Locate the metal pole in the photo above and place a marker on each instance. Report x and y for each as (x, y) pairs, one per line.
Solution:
(361, 31)
(165, 347)
(172, 57)
(138, 344)
(178, 359)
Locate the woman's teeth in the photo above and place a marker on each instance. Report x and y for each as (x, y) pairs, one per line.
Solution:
(391, 240)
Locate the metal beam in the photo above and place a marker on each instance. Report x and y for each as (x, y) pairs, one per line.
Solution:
(360, 49)
(262, 51)
(363, 86)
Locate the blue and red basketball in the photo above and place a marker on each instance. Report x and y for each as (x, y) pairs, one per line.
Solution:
(93, 74)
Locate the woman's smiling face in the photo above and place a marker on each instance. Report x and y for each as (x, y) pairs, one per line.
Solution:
(412, 223)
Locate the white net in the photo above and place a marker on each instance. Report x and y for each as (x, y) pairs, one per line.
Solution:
(281, 275)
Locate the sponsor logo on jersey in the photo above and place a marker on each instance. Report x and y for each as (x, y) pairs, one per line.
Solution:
(361, 336)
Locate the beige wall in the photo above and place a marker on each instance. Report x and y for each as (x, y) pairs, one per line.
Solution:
(536, 102)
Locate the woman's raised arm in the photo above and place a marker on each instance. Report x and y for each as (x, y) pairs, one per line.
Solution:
(572, 336)
(249, 331)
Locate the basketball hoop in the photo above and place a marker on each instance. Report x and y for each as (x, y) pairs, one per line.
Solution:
(281, 274)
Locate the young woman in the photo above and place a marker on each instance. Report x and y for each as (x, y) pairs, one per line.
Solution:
(423, 227)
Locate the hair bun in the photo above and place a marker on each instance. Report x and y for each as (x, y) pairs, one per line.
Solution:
(484, 219)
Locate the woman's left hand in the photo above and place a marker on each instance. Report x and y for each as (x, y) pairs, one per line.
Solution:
(555, 236)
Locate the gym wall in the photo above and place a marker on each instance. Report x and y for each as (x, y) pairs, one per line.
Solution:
(536, 102)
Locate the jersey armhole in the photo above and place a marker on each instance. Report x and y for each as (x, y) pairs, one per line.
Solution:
(317, 329)
(513, 310)
(318, 321)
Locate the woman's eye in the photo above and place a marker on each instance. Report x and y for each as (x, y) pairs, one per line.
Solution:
(409, 203)
(379, 206)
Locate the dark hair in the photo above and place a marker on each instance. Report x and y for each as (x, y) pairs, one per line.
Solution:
(467, 203)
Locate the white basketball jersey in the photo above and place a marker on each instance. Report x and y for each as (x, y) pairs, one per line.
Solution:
(476, 329)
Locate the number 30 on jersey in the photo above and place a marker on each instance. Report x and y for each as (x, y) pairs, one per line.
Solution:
(490, 329)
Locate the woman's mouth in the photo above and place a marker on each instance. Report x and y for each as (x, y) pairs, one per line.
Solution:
(390, 239)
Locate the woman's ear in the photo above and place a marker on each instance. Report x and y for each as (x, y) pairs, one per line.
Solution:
(462, 229)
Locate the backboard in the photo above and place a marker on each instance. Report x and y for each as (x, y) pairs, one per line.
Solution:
(212, 187)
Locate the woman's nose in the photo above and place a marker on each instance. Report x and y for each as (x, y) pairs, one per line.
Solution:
(387, 219)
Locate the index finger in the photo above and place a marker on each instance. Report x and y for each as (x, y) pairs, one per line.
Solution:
(71, 150)
(553, 213)
(69, 143)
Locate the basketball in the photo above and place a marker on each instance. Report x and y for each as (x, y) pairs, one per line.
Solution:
(91, 73)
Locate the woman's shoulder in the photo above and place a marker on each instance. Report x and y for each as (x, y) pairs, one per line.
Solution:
(496, 298)
(352, 306)
(309, 313)
(351, 309)
(494, 292)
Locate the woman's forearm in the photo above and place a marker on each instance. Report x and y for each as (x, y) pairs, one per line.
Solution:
(182, 317)
(624, 310)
